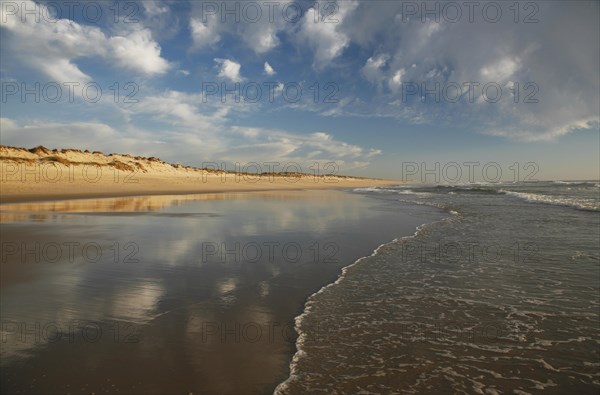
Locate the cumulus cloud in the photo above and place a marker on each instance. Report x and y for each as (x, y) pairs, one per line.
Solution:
(260, 34)
(52, 47)
(268, 69)
(373, 70)
(501, 69)
(137, 51)
(260, 37)
(154, 7)
(326, 38)
(396, 80)
(204, 34)
(229, 70)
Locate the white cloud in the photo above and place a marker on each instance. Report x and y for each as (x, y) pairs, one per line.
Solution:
(533, 132)
(430, 28)
(204, 34)
(283, 146)
(258, 32)
(500, 70)
(60, 69)
(325, 37)
(190, 133)
(229, 70)
(53, 46)
(561, 67)
(268, 69)
(373, 68)
(396, 80)
(137, 51)
(154, 8)
(7, 123)
(82, 135)
(261, 37)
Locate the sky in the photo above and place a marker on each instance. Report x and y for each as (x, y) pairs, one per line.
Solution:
(370, 88)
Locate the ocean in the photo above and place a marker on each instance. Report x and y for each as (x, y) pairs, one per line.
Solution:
(500, 296)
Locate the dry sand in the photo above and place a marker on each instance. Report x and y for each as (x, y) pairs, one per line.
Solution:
(42, 174)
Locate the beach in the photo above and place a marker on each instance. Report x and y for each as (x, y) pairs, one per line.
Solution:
(200, 281)
(43, 174)
(346, 197)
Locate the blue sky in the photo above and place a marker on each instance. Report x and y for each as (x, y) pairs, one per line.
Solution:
(370, 63)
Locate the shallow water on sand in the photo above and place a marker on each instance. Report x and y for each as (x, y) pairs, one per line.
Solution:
(503, 296)
(174, 294)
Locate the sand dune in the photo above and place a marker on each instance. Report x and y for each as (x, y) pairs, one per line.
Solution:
(43, 174)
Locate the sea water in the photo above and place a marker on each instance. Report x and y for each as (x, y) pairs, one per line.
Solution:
(501, 296)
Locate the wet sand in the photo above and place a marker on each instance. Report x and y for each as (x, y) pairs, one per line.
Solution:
(189, 294)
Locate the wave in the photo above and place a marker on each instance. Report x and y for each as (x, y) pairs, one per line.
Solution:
(595, 183)
(282, 388)
(390, 190)
(579, 203)
(372, 189)
(587, 204)
(294, 374)
(477, 189)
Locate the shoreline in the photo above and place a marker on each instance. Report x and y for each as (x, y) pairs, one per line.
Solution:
(44, 196)
(284, 386)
